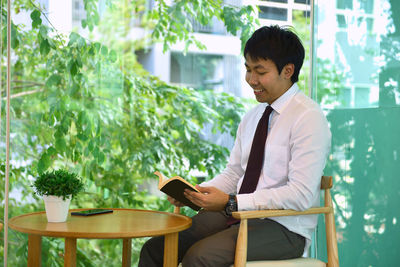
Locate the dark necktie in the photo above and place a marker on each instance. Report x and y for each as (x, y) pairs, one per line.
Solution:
(256, 158)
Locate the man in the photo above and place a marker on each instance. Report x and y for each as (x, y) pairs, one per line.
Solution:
(287, 175)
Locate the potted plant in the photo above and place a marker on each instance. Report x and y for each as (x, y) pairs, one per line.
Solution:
(57, 187)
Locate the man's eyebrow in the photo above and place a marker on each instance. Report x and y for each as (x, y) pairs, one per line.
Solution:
(259, 66)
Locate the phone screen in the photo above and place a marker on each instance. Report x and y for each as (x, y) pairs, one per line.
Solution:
(91, 212)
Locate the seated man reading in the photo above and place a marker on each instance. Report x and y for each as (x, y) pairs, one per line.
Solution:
(277, 161)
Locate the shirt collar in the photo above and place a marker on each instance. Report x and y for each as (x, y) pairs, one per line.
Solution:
(279, 104)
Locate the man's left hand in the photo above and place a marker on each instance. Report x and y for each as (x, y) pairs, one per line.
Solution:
(209, 198)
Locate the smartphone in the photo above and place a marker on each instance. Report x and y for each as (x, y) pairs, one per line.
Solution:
(90, 212)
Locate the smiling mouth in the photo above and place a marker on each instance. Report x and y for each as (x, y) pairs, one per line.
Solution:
(258, 91)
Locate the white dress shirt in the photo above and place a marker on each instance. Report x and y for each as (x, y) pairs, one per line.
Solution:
(296, 149)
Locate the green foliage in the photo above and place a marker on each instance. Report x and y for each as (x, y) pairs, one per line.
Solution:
(238, 20)
(59, 183)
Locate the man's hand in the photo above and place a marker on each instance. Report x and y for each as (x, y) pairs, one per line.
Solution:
(175, 202)
(209, 198)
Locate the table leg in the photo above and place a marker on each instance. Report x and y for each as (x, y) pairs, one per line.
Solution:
(171, 250)
(126, 252)
(34, 250)
(70, 252)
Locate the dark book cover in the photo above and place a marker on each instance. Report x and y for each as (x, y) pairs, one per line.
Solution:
(175, 188)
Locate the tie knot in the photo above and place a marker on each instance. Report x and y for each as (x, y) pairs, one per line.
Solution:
(267, 111)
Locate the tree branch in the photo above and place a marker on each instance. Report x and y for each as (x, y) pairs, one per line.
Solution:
(24, 93)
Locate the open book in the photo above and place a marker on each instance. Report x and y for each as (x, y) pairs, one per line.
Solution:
(174, 188)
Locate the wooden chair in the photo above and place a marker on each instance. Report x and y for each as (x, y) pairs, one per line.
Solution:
(327, 209)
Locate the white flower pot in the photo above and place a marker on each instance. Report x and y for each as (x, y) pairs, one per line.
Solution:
(56, 208)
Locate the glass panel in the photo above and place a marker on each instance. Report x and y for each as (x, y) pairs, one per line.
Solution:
(91, 93)
(356, 81)
(300, 19)
(272, 13)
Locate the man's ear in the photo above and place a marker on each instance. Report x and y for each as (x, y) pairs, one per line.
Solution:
(288, 71)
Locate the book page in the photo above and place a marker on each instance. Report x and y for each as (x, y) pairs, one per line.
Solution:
(161, 179)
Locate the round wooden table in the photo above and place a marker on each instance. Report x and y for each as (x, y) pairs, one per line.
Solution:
(120, 224)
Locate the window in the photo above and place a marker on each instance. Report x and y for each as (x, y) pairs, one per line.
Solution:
(361, 97)
(307, 2)
(276, 1)
(367, 6)
(197, 70)
(273, 13)
(341, 21)
(344, 4)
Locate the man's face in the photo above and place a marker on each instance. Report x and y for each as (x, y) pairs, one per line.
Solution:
(268, 85)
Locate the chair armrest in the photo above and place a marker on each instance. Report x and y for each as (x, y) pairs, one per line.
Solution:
(252, 214)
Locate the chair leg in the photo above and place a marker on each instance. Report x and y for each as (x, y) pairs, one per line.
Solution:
(241, 245)
(331, 241)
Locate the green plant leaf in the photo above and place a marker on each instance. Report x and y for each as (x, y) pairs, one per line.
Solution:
(44, 163)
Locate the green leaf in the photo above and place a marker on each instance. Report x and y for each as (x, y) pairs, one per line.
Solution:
(74, 88)
(14, 37)
(82, 137)
(44, 163)
(101, 157)
(73, 67)
(43, 32)
(61, 145)
(104, 50)
(35, 14)
(86, 152)
(91, 51)
(97, 46)
(53, 80)
(175, 134)
(78, 61)
(44, 47)
(81, 42)
(51, 151)
(36, 20)
(113, 56)
(73, 37)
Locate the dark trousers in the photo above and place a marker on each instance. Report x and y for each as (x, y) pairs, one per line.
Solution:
(210, 242)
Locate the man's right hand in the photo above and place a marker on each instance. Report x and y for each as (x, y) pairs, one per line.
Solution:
(175, 202)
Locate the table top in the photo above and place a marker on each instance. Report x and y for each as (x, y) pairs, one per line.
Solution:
(121, 223)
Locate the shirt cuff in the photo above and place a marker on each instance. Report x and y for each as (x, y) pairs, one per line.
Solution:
(245, 202)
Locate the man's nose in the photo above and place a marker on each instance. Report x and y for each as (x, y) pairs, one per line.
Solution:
(253, 79)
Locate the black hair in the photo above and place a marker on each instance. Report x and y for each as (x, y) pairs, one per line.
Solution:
(278, 44)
